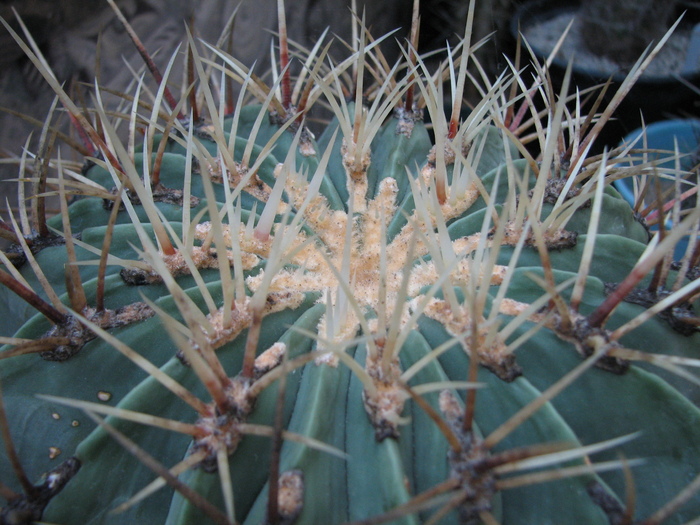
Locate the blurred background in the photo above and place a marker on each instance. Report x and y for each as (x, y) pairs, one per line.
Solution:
(83, 40)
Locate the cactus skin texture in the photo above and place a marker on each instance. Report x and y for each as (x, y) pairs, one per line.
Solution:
(373, 306)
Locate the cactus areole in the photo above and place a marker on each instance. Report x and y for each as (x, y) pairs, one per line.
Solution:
(242, 322)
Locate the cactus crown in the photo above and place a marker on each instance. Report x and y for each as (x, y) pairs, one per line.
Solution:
(240, 322)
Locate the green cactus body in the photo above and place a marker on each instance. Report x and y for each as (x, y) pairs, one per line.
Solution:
(352, 268)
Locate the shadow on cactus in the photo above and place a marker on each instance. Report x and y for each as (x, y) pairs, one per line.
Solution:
(366, 326)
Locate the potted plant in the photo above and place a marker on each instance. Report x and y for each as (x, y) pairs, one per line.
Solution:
(605, 40)
(239, 322)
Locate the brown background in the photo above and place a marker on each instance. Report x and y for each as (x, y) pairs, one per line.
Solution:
(68, 32)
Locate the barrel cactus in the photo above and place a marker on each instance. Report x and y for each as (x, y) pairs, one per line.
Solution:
(241, 322)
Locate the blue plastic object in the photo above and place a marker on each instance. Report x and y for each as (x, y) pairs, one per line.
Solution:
(663, 136)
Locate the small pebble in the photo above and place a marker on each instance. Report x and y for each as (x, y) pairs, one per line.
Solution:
(104, 396)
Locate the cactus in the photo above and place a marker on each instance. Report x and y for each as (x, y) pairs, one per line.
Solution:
(239, 322)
